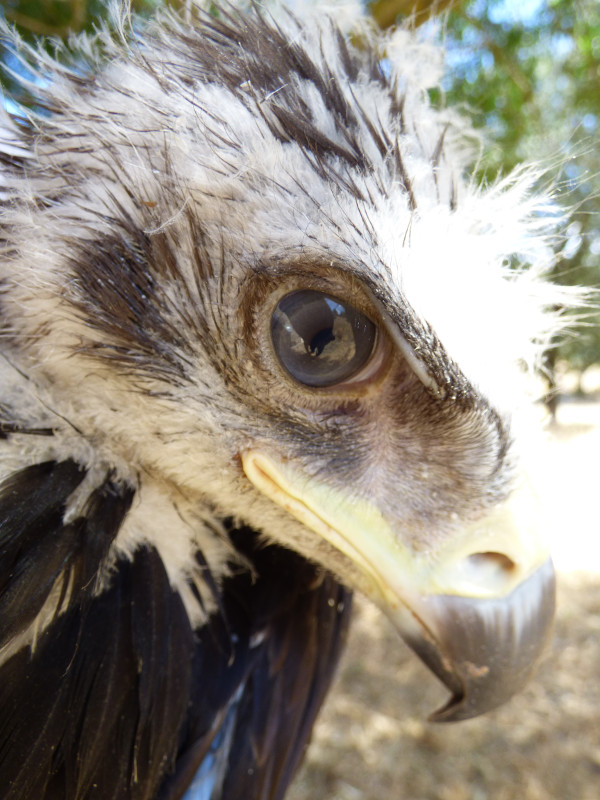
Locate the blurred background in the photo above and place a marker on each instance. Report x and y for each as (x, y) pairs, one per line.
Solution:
(527, 72)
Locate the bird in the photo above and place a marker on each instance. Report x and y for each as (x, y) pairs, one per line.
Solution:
(265, 342)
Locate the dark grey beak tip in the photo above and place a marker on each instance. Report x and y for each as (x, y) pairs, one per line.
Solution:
(486, 650)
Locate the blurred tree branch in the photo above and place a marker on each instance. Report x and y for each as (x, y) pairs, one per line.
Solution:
(386, 12)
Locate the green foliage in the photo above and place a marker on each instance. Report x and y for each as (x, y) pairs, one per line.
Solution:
(529, 73)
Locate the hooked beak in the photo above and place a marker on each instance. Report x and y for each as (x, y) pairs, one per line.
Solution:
(478, 611)
(483, 650)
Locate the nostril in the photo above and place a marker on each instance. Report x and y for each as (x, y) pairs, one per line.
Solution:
(487, 574)
(492, 561)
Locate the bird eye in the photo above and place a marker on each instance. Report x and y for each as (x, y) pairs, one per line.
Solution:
(321, 340)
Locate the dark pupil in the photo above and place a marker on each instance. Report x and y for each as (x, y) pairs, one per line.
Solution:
(319, 339)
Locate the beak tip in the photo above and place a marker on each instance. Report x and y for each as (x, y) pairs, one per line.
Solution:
(487, 650)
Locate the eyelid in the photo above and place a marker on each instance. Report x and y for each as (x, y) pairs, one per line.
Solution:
(415, 363)
(412, 359)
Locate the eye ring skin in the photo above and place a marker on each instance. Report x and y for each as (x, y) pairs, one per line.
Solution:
(262, 293)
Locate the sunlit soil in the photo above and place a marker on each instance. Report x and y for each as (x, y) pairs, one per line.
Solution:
(372, 741)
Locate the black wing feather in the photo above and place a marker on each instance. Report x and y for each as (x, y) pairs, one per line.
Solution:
(34, 544)
(75, 709)
(120, 698)
(304, 614)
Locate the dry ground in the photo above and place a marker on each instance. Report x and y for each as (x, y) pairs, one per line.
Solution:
(372, 741)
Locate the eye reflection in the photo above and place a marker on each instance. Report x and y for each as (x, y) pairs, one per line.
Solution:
(321, 340)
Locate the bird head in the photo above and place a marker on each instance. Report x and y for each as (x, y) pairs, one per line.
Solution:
(245, 261)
